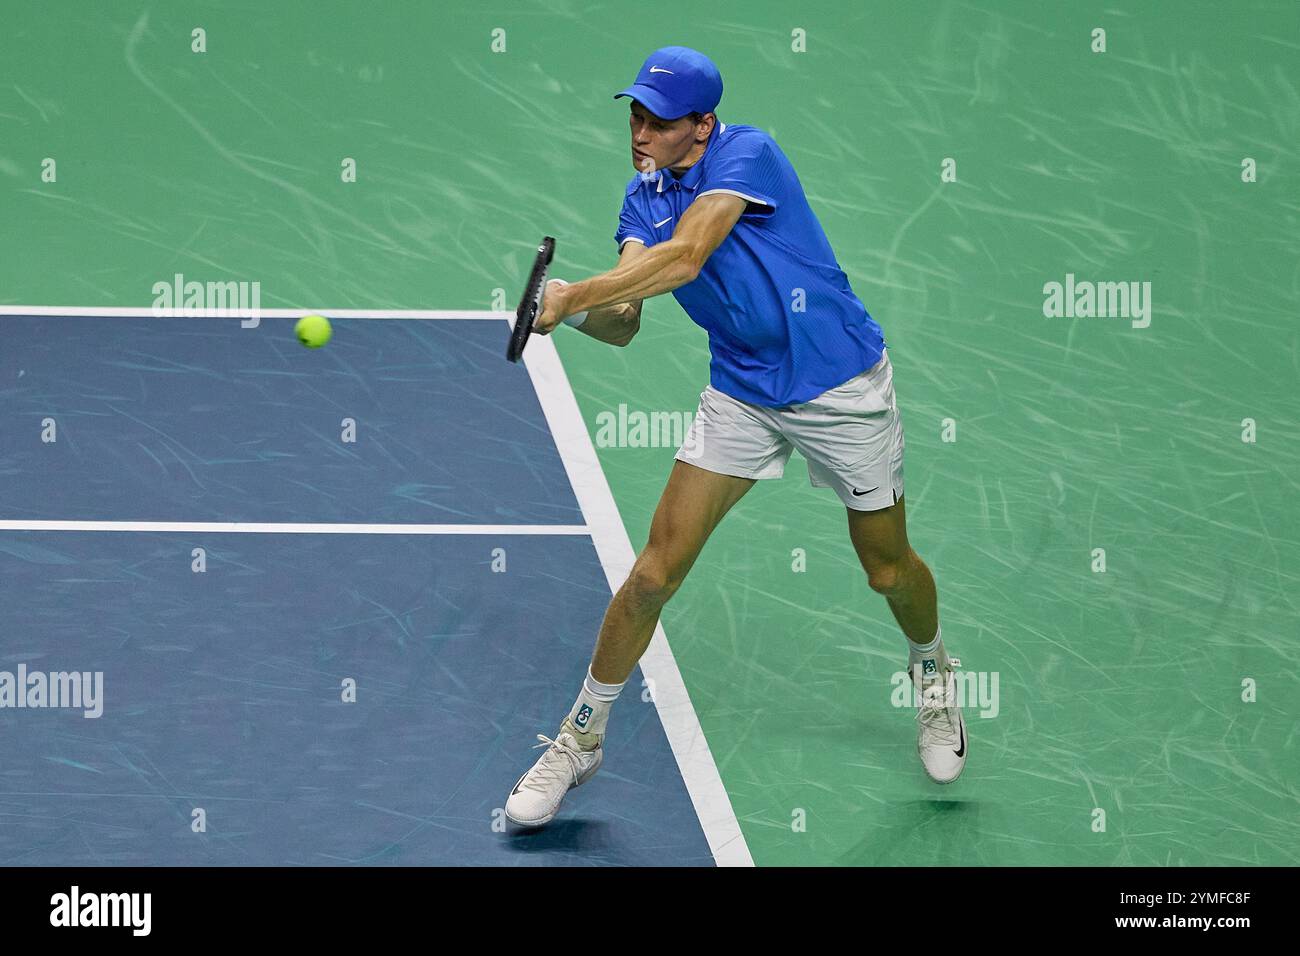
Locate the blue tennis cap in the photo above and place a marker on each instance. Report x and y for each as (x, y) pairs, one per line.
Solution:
(675, 81)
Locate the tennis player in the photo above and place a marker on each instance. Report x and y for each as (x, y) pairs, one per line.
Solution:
(716, 216)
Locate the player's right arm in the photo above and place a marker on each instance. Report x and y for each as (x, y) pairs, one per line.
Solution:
(617, 324)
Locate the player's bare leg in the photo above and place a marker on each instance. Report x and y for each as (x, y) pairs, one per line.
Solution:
(691, 506)
(897, 572)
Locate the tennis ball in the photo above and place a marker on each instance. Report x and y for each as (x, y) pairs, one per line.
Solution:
(313, 331)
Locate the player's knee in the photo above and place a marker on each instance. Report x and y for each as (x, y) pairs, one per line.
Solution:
(652, 581)
(887, 578)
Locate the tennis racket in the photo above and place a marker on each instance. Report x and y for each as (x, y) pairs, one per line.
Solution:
(531, 301)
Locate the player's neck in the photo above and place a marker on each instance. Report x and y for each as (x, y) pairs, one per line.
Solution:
(691, 159)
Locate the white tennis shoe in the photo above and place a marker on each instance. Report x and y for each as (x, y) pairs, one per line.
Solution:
(536, 798)
(941, 730)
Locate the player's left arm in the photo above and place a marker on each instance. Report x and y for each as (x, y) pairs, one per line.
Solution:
(661, 268)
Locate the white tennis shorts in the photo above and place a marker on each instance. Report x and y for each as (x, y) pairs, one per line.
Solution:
(852, 437)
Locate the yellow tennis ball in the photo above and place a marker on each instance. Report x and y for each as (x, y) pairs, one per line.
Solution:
(313, 331)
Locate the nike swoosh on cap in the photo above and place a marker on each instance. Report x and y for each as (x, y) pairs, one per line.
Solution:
(655, 69)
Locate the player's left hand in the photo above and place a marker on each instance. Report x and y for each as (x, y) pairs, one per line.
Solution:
(553, 308)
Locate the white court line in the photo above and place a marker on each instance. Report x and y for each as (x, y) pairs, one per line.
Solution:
(146, 312)
(253, 527)
(614, 548)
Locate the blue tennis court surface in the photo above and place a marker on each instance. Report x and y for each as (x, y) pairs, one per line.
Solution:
(223, 690)
(200, 419)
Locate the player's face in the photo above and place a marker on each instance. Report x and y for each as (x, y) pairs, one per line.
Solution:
(659, 143)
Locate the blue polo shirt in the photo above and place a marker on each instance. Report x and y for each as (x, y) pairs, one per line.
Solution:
(783, 323)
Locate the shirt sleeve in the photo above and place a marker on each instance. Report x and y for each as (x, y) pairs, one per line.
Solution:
(746, 166)
(630, 224)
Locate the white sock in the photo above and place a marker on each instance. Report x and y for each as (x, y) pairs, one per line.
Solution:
(932, 658)
(590, 711)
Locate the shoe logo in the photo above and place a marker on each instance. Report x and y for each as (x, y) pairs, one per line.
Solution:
(519, 784)
(658, 224)
(584, 714)
(859, 494)
(927, 666)
(962, 752)
(655, 69)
